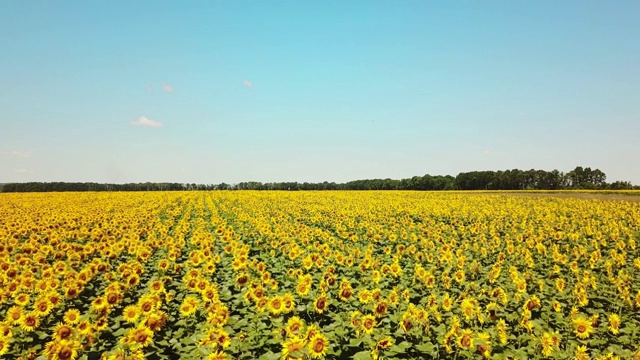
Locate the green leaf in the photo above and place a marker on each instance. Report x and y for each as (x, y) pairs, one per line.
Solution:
(426, 347)
(362, 355)
(270, 356)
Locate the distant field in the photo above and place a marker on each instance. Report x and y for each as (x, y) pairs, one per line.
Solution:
(627, 195)
(306, 275)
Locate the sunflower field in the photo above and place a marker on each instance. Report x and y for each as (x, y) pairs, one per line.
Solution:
(308, 275)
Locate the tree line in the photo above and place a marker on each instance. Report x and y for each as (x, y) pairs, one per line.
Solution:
(578, 178)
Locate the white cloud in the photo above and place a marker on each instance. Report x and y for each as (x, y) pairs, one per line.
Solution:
(21, 154)
(145, 121)
(248, 84)
(20, 171)
(487, 152)
(149, 88)
(168, 88)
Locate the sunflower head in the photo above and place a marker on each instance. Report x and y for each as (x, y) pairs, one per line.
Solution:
(318, 346)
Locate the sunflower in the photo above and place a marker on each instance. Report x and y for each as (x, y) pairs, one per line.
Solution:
(318, 345)
(581, 353)
(484, 345)
(614, 323)
(583, 327)
(385, 343)
(15, 314)
(84, 328)
(62, 332)
(42, 307)
(364, 296)
(140, 336)
(547, 344)
(5, 331)
(294, 326)
(368, 323)
(275, 305)
(321, 303)
(217, 356)
(30, 322)
(312, 330)
(99, 304)
(448, 341)
(131, 313)
(22, 299)
(303, 288)
(155, 321)
(356, 319)
(289, 302)
(292, 347)
(380, 308)
(393, 297)
(242, 279)
(187, 309)
(63, 349)
(446, 302)
(4, 346)
(465, 339)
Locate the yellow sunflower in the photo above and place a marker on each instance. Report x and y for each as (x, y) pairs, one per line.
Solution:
(318, 346)
(321, 303)
(292, 348)
(131, 313)
(583, 327)
(15, 314)
(465, 339)
(30, 322)
(62, 332)
(295, 326)
(614, 323)
(217, 356)
(140, 336)
(368, 323)
(4, 346)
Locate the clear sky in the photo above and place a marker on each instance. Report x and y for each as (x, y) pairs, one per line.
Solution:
(230, 91)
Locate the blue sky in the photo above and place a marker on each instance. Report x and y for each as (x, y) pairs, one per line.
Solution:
(209, 92)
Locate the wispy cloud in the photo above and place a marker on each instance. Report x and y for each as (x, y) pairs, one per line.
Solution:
(20, 171)
(21, 154)
(145, 121)
(168, 88)
(149, 88)
(248, 84)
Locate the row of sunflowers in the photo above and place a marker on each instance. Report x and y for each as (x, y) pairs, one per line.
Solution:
(307, 275)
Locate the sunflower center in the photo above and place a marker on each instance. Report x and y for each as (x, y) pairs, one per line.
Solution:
(318, 346)
(65, 353)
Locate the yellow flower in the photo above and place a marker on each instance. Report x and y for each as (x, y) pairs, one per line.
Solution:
(217, 356)
(62, 332)
(292, 346)
(318, 345)
(30, 322)
(140, 336)
(4, 346)
(15, 314)
(614, 323)
(131, 313)
(295, 326)
(465, 339)
(385, 343)
(581, 353)
(583, 327)
(321, 303)
(368, 323)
